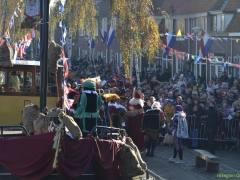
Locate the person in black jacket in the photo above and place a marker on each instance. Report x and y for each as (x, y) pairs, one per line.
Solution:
(211, 124)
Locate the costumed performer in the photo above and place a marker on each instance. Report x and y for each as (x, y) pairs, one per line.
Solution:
(134, 120)
(120, 114)
(127, 84)
(89, 106)
(153, 121)
(111, 99)
(179, 129)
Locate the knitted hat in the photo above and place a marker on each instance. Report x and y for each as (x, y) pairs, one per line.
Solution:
(178, 108)
(89, 85)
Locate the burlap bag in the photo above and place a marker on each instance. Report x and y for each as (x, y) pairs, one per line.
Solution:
(41, 124)
(6, 54)
(54, 112)
(54, 54)
(30, 113)
(129, 162)
(139, 157)
(72, 126)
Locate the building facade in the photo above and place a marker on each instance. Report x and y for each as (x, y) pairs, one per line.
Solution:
(218, 18)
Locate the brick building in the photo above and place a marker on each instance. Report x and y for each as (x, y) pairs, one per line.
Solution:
(218, 18)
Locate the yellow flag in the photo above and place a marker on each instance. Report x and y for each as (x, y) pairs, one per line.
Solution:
(237, 40)
(179, 33)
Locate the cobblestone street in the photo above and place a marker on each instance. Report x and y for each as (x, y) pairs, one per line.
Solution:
(169, 170)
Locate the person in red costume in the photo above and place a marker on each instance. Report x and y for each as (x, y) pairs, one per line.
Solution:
(127, 84)
(134, 120)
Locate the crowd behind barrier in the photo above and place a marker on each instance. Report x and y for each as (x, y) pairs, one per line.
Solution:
(183, 88)
(227, 130)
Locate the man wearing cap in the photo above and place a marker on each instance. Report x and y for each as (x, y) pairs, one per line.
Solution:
(153, 121)
(89, 106)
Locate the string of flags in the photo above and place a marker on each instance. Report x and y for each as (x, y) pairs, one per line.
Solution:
(23, 44)
(197, 37)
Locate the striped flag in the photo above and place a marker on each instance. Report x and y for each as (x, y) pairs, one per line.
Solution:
(111, 35)
(103, 35)
(65, 65)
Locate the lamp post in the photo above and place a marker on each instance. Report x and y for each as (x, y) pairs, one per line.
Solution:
(196, 30)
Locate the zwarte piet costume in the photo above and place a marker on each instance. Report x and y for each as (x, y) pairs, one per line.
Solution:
(89, 106)
(153, 121)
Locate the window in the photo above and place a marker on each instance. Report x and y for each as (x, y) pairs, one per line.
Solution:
(205, 24)
(180, 25)
(120, 59)
(96, 27)
(116, 59)
(104, 24)
(214, 23)
(20, 81)
(80, 32)
(222, 22)
(106, 56)
(169, 24)
(113, 23)
(2, 81)
(193, 23)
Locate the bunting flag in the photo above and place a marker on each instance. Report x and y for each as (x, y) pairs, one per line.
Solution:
(179, 33)
(65, 65)
(65, 99)
(19, 10)
(64, 34)
(111, 35)
(61, 6)
(103, 35)
(33, 34)
(205, 44)
(15, 14)
(224, 65)
(91, 43)
(169, 41)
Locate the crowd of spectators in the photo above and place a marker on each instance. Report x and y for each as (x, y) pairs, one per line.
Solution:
(194, 94)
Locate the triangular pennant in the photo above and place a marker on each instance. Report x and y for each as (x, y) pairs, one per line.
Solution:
(179, 33)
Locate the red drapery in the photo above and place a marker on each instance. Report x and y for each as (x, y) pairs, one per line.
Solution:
(31, 158)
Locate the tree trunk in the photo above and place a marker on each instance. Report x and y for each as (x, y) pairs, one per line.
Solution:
(137, 72)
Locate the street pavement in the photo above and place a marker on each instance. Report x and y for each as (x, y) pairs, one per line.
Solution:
(230, 164)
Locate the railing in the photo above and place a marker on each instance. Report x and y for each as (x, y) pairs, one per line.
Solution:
(10, 133)
(226, 131)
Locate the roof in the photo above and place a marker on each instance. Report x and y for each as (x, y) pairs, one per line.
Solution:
(232, 5)
(157, 4)
(103, 8)
(234, 24)
(218, 5)
(183, 7)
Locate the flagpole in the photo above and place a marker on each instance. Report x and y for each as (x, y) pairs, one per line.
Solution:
(5, 17)
(44, 13)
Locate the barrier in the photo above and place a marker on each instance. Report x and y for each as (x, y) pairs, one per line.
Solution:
(227, 130)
